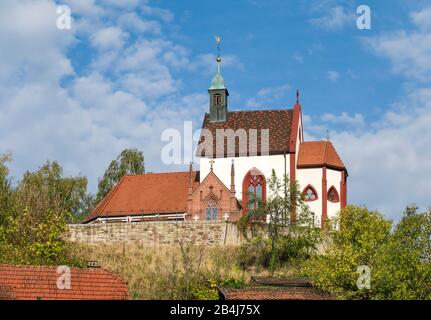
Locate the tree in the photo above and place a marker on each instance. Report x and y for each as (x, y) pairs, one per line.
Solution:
(33, 223)
(6, 191)
(286, 240)
(130, 161)
(47, 190)
(403, 266)
(353, 239)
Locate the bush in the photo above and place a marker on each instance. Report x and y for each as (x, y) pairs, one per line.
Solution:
(354, 238)
(399, 259)
(403, 264)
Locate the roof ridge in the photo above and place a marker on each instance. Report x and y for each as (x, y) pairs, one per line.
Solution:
(154, 173)
(259, 110)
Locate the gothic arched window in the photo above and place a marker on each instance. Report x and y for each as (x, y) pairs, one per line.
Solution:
(253, 189)
(211, 210)
(310, 193)
(333, 195)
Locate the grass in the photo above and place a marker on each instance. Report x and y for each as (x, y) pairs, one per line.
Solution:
(167, 272)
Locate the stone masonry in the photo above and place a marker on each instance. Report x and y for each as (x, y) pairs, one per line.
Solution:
(156, 233)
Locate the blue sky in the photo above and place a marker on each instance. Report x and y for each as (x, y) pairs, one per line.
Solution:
(129, 69)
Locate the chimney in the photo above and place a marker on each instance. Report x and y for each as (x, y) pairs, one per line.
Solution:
(93, 264)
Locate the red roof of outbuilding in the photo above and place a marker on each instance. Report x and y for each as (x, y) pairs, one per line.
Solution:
(319, 153)
(40, 282)
(150, 193)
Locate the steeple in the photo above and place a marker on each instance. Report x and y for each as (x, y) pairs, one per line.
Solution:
(218, 92)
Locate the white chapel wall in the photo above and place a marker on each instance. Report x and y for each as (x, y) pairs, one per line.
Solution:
(312, 176)
(222, 168)
(333, 178)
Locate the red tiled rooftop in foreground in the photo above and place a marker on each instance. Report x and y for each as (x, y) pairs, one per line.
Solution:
(276, 293)
(319, 153)
(150, 193)
(40, 282)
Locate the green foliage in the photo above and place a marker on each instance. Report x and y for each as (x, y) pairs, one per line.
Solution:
(204, 290)
(33, 215)
(130, 161)
(234, 283)
(47, 189)
(399, 259)
(403, 266)
(280, 241)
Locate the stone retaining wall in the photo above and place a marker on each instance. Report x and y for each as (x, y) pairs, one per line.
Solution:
(156, 233)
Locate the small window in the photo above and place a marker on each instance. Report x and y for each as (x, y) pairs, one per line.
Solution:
(309, 193)
(217, 99)
(333, 195)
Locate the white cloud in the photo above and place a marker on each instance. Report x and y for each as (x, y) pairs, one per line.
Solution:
(334, 18)
(85, 122)
(409, 52)
(344, 118)
(389, 167)
(30, 42)
(164, 14)
(267, 96)
(109, 38)
(332, 75)
(387, 160)
(422, 18)
(132, 21)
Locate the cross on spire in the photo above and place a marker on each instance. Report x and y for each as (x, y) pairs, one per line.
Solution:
(297, 96)
(211, 164)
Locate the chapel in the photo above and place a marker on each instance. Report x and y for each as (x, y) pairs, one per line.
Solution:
(238, 151)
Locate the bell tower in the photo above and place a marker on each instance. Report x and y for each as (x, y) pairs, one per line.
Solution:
(218, 92)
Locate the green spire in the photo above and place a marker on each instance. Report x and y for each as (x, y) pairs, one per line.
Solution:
(218, 81)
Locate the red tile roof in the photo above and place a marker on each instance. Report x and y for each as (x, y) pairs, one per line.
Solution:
(279, 123)
(150, 193)
(277, 293)
(40, 282)
(317, 154)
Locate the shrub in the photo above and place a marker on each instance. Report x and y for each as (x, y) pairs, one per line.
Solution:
(354, 239)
